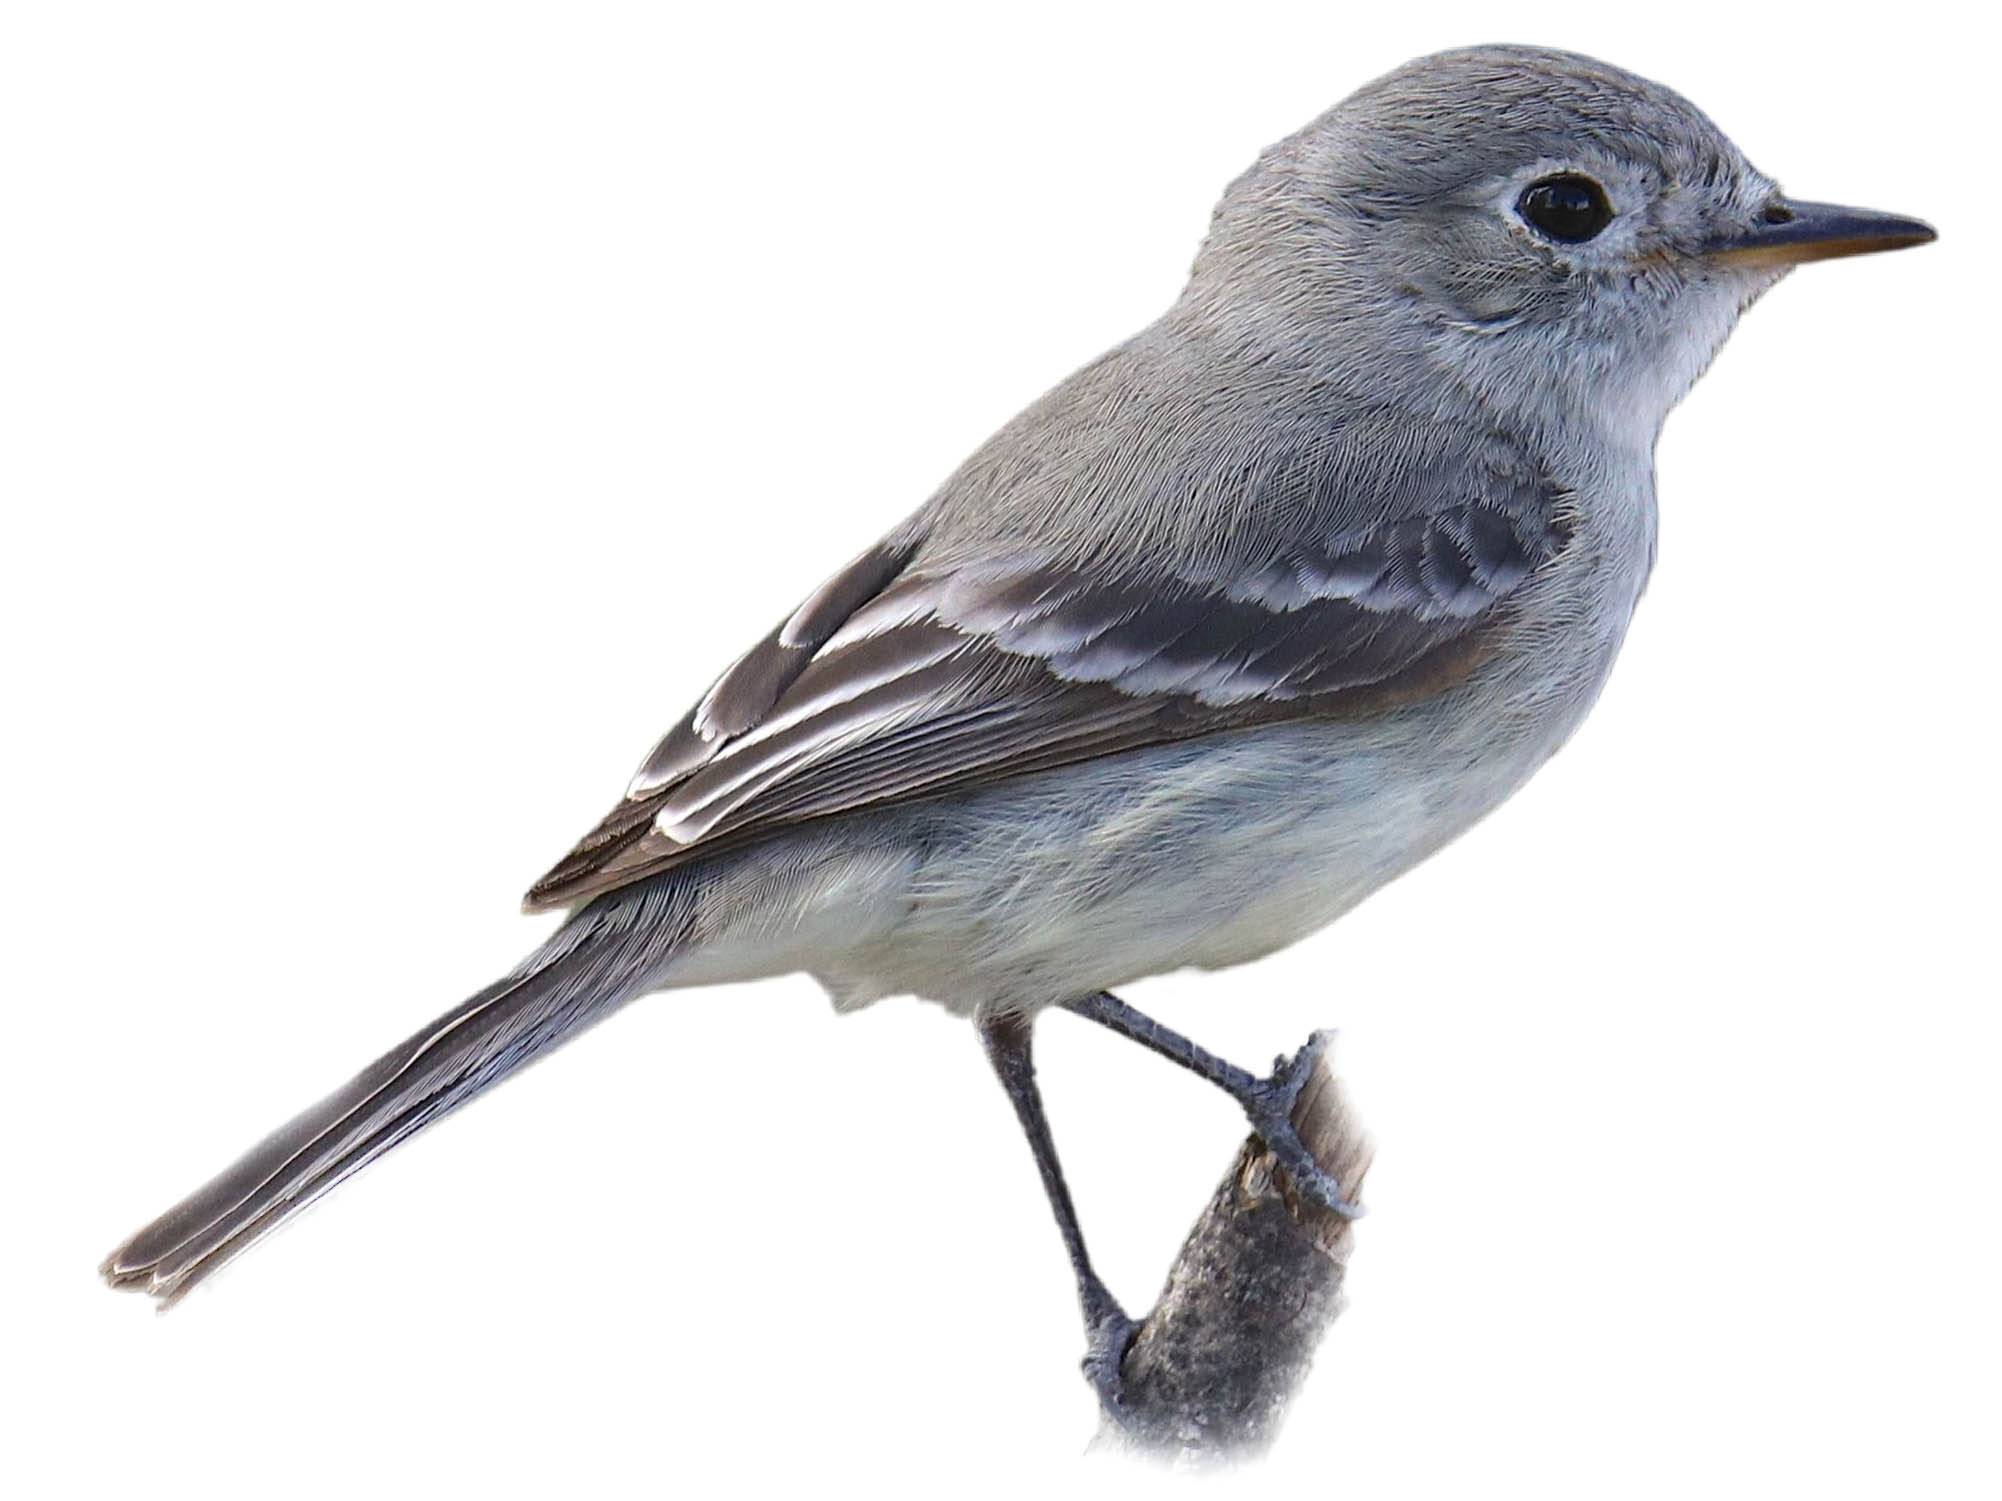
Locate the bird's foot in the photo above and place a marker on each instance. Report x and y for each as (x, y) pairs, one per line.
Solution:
(1108, 1335)
(1270, 1107)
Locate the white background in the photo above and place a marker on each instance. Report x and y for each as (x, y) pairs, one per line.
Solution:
(408, 408)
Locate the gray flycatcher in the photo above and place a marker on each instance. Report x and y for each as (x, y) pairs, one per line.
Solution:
(1241, 621)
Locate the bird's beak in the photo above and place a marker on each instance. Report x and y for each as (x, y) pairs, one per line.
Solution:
(1791, 232)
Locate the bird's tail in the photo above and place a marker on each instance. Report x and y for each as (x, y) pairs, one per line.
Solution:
(601, 959)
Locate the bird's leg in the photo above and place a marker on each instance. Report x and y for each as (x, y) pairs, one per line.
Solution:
(1268, 1101)
(1108, 1331)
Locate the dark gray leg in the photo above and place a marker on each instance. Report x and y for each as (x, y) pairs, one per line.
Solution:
(1268, 1102)
(1108, 1331)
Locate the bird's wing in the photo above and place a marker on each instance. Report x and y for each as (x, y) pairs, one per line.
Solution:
(902, 678)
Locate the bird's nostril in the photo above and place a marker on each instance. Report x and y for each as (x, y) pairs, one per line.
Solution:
(1777, 213)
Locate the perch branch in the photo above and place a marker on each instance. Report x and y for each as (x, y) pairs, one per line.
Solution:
(1215, 1364)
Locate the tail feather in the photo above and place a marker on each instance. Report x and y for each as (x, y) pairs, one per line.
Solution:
(584, 973)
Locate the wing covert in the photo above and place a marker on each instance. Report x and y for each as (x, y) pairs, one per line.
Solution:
(905, 678)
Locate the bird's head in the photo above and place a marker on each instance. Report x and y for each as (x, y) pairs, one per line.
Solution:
(1558, 238)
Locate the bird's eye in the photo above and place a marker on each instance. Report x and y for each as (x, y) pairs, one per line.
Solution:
(1567, 207)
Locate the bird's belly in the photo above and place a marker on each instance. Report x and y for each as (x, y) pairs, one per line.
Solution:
(1207, 854)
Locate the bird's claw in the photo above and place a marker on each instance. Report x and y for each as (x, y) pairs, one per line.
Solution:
(1271, 1111)
(1108, 1335)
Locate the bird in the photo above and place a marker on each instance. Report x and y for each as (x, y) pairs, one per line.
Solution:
(1244, 619)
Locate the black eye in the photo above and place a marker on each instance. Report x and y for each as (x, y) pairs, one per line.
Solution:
(1567, 207)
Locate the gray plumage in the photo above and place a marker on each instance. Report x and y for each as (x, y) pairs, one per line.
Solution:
(1239, 622)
